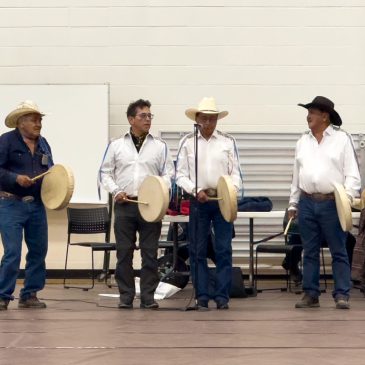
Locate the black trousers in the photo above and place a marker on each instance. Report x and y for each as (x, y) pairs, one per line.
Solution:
(127, 223)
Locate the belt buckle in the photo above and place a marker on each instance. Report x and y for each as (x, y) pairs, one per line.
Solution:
(28, 199)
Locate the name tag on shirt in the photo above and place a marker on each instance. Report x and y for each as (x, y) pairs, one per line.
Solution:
(44, 160)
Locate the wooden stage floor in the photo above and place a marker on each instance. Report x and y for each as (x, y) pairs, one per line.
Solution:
(80, 328)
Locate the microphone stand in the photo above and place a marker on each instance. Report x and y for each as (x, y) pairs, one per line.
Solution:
(195, 222)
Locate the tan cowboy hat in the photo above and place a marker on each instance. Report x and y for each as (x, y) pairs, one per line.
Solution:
(25, 107)
(206, 106)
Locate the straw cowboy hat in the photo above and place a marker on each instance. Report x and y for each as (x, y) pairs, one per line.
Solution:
(325, 104)
(25, 107)
(206, 106)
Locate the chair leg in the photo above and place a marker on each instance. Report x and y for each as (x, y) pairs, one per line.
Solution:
(255, 274)
(92, 269)
(64, 273)
(105, 275)
(324, 270)
(255, 278)
(106, 260)
(85, 288)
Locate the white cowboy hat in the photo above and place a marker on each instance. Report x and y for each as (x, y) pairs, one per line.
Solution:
(206, 106)
(25, 107)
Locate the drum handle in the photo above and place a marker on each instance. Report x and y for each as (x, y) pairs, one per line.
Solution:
(135, 201)
(359, 203)
(287, 226)
(40, 176)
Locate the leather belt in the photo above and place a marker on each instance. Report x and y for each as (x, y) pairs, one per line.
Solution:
(10, 196)
(319, 196)
(211, 192)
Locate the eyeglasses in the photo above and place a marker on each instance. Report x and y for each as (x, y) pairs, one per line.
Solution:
(145, 115)
(207, 118)
(31, 118)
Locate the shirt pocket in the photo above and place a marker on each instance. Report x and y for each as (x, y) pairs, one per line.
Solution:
(334, 157)
(17, 157)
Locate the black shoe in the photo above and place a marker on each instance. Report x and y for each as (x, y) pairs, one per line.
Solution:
(32, 303)
(152, 305)
(222, 305)
(296, 275)
(4, 304)
(123, 305)
(202, 305)
(308, 302)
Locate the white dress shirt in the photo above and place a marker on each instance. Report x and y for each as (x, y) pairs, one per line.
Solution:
(124, 169)
(318, 166)
(217, 156)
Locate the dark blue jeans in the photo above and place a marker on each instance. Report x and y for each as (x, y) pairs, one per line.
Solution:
(202, 215)
(17, 217)
(318, 220)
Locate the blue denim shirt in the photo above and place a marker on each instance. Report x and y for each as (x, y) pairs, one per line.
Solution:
(17, 159)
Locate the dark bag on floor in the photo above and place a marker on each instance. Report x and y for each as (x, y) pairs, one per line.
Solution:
(237, 288)
(358, 261)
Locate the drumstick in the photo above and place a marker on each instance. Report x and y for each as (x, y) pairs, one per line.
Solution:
(135, 201)
(287, 226)
(210, 198)
(41, 175)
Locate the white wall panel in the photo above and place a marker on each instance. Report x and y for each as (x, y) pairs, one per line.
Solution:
(33, 17)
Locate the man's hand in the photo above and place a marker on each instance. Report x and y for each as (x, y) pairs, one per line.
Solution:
(24, 181)
(202, 197)
(292, 214)
(120, 198)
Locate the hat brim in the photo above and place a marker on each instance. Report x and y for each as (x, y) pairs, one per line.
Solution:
(334, 116)
(12, 119)
(191, 113)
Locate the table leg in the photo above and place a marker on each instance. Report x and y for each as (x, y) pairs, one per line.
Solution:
(175, 234)
(103, 276)
(251, 265)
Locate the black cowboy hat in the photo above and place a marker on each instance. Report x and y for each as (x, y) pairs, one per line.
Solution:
(326, 105)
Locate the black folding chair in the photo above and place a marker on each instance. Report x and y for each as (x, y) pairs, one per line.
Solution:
(278, 248)
(285, 248)
(89, 221)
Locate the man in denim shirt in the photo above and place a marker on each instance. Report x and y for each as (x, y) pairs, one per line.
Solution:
(24, 154)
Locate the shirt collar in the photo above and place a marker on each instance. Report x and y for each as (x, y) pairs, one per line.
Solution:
(214, 134)
(128, 134)
(329, 131)
(20, 137)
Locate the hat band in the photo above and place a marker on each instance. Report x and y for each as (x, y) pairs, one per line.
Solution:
(208, 110)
